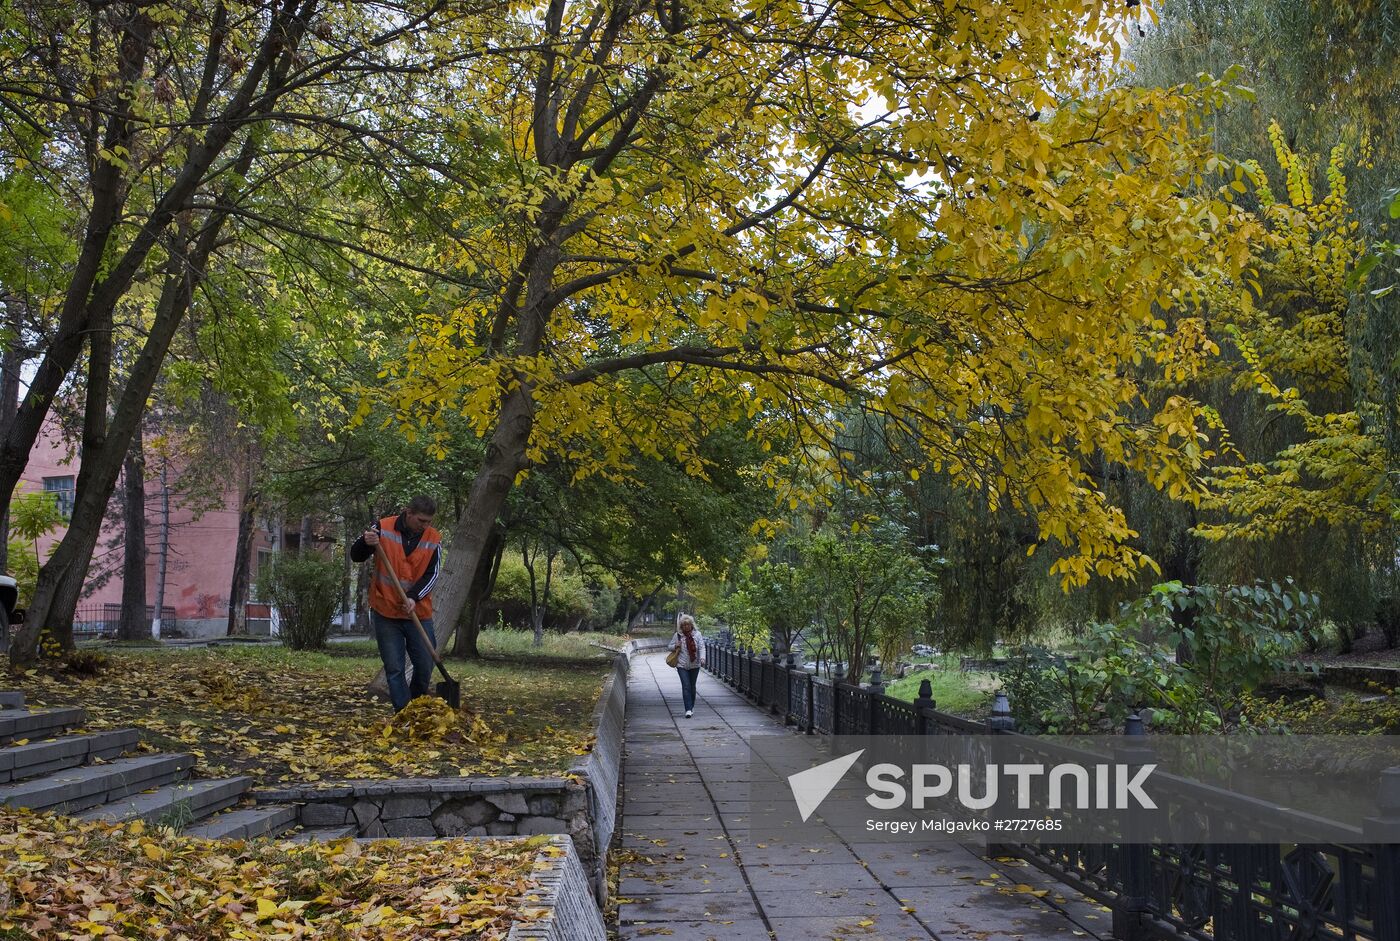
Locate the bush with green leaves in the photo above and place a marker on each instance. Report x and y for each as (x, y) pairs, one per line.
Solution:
(32, 516)
(569, 599)
(773, 603)
(305, 589)
(1228, 641)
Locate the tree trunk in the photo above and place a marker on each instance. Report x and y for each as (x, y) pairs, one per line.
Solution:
(10, 364)
(1181, 565)
(483, 582)
(645, 606)
(347, 601)
(243, 560)
(163, 559)
(304, 535)
(133, 619)
(542, 609)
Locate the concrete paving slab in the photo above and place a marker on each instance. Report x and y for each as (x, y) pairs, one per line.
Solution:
(749, 929)
(685, 906)
(855, 927)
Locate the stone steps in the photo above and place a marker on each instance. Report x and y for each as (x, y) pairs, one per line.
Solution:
(22, 723)
(37, 759)
(88, 786)
(92, 776)
(246, 823)
(174, 804)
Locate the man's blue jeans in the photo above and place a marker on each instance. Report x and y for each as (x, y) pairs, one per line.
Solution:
(395, 636)
(688, 678)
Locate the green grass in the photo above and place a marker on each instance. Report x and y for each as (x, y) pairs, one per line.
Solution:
(964, 694)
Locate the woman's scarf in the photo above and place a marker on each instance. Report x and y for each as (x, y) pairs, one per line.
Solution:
(690, 647)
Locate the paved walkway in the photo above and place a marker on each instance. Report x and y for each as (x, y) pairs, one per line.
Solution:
(691, 871)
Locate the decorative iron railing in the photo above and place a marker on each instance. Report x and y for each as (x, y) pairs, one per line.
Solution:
(1204, 892)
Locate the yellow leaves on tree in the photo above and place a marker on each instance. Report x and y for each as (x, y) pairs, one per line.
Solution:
(1287, 324)
(768, 213)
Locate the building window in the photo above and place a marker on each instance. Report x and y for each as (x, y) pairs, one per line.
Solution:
(63, 490)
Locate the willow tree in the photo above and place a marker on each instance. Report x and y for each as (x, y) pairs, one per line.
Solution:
(948, 212)
(1311, 388)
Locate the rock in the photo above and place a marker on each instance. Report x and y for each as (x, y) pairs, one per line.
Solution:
(366, 812)
(506, 818)
(477, 812)
(510, 803)
(543, 805)
(575, 802)
(447, 823)
(325, 815)
(532, 825)
(410, 826)
(500, 829)
(399, 807)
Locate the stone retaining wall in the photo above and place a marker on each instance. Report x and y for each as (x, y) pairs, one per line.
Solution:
(448, 807)
(567, 898)
(1361, 678)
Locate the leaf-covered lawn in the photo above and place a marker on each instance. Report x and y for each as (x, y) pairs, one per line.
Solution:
(63, 879)
(284, 716)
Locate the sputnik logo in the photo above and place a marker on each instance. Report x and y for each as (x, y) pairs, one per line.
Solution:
(811, 787)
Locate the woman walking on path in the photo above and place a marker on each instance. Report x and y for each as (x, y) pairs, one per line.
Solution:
(691, 646)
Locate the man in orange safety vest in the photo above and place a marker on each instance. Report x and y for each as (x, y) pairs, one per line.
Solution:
(414, 550)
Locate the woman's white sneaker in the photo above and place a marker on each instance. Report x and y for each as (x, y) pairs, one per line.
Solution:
(687, 713)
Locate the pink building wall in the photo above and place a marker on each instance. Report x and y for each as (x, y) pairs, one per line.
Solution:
(200, 569)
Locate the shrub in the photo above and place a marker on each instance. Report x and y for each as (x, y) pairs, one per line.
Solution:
(85, 662)
(305, 588)
(1234, 638)
(569, 599)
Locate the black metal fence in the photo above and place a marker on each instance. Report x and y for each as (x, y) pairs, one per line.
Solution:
(1206, 892)
(103, 620)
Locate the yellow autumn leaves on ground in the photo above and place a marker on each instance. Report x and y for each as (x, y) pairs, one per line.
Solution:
(286, 717)
(428, 720)
(63, 879)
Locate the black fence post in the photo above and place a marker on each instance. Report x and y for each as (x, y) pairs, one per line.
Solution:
(1131, 865)
(765, 686)
(1000, 718)
(835, 707)
(1383, 830)
(810, 694)
(789, 668)
(923, 705)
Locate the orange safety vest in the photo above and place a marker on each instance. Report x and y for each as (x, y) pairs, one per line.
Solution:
(383, 596)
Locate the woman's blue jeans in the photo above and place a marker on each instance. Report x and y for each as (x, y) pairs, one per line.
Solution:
(396, 636)
(688, 678)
